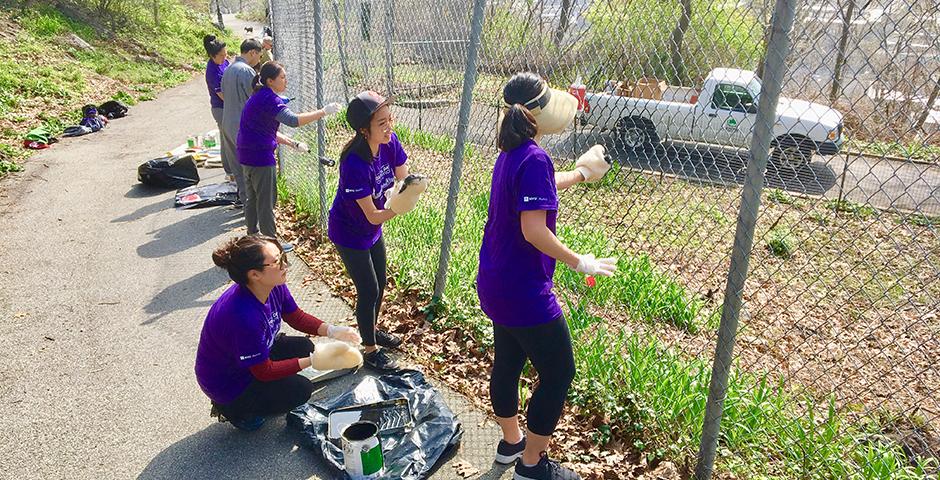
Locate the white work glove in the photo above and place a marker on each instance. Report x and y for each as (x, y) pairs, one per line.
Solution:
(592, 165)
(589, 265)
(335, 356)
(302, 146)
(343, 334)
(405, 194)
(332, 108)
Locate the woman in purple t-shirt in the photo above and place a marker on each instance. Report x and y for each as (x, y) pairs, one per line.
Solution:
(246, 367)
(215, 67)
(258, 137)
(370, 164)
(517, 261)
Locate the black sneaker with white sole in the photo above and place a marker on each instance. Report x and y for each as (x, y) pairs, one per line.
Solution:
(544, 470)
(385, 339)
(379, 360)
(507, 453)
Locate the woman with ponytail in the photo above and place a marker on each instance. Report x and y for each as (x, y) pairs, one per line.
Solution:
(257, 139)
(244, 364)
(215, 67)
(374, 186)
(517, 261)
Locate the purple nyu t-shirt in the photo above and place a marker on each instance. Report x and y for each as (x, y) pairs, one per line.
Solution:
(214, 82)
(348, 226)
(515, 279)
(238, 334)
(257, 132)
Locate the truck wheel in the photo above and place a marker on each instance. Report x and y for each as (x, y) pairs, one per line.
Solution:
(791, 152)
(635, 136)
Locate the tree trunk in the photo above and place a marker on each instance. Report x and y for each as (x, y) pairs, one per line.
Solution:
(563, 22)
(922, 119)
(678, 34)
(847, 16)
(156, 13)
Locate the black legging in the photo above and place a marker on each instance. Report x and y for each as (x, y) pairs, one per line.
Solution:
(367, 270)
(278, 396)
(548, 347)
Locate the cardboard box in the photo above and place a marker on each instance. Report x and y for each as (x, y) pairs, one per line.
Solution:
(649, 87)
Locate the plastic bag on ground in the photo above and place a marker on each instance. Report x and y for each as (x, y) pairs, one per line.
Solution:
(169, 172)
(211, 195)
(409, 455)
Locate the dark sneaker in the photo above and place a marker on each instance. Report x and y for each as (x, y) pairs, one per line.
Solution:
(507, 453)
(379, 360)
(544, 470)
(385, 339)
(248, 424)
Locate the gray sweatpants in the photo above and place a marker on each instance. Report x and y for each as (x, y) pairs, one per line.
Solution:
(230, 155)
(217, 115)
(261, 189)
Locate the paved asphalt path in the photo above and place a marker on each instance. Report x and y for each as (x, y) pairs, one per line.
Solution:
(105, 287)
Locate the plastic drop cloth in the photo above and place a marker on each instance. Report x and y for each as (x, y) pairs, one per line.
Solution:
(409, 455)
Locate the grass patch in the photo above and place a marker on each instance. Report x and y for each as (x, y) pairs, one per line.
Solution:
(909, 150)
(655, 398)
(779, 196)
(847, 206)
(45, 80)
(781, 243)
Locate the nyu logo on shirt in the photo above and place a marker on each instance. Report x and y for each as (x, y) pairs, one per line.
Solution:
(528, 199)
(383, 180)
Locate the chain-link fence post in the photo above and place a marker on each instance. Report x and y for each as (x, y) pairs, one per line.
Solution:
(321, 126)
(774, 69)
(389, 34)
(342, 52)
(463, 126)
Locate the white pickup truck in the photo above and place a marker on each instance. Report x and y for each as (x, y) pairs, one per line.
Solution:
(723, 114)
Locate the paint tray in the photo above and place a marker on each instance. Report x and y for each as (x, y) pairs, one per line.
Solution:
(389, 415)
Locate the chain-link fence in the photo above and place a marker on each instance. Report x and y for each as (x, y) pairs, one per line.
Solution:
(800, 229)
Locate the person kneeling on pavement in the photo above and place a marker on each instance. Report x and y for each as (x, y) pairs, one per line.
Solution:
(244, 364)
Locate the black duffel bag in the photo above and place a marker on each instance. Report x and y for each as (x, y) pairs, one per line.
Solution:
(169, 172)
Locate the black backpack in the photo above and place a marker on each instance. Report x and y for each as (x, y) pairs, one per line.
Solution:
(112, 109)
(169, 172)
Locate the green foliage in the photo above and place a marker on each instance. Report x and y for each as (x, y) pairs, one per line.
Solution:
(915, 150)
(632, 39)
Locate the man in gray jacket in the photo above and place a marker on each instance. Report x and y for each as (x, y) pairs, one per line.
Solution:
(237, 87)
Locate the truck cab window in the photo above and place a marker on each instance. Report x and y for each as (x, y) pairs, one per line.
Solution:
(734, 98)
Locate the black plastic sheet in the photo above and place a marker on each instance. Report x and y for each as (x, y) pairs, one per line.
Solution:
(409, 455)
(213, 194)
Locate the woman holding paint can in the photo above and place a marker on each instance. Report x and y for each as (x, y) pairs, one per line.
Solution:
(374, 186)
(517, 261)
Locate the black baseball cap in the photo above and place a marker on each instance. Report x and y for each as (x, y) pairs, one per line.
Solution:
(361, 108)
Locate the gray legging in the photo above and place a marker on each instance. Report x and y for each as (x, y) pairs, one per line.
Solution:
(260, 199)
(217, 115)
(367, 270)
(230, 156)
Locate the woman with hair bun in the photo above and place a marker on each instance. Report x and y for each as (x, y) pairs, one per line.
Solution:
(244, 364)
(215, 67)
